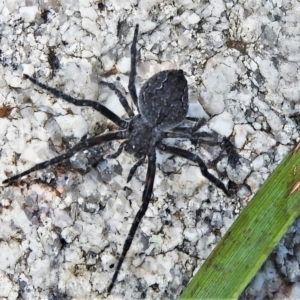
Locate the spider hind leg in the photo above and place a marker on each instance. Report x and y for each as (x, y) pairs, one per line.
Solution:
(137, 219)
(80, 146)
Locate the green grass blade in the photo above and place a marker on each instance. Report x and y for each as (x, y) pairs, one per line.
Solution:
(252, 237)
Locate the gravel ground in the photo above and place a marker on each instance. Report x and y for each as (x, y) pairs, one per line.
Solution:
(63, 228)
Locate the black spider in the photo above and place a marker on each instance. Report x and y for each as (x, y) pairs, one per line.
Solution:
(162, 105)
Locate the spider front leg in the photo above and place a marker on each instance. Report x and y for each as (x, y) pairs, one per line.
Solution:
(145, 202)
(134, 168)
(133, 52)
(80, 146)
(89, 103)
(195, 158)
(227, 148)
(118, 152)
(122, 99)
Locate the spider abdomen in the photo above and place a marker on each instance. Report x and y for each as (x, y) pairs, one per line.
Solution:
(163, 99)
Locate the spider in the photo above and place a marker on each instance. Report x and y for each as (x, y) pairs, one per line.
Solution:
(162, 105)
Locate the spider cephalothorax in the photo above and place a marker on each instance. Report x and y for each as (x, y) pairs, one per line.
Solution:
(162, 105)
(138, 129)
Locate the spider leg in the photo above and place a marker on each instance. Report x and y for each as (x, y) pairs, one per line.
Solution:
(228, 149)
(133, 52)
(134, 168)
(80, 146)
(185, 135)
(196, 138)
(146, 199)
(95, 105)
(194, 119)
(200, 122)
(122, 99)
(195, 158)
(118, 152)
(198, 125)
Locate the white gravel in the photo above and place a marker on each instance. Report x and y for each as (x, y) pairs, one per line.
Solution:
(62, 230)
